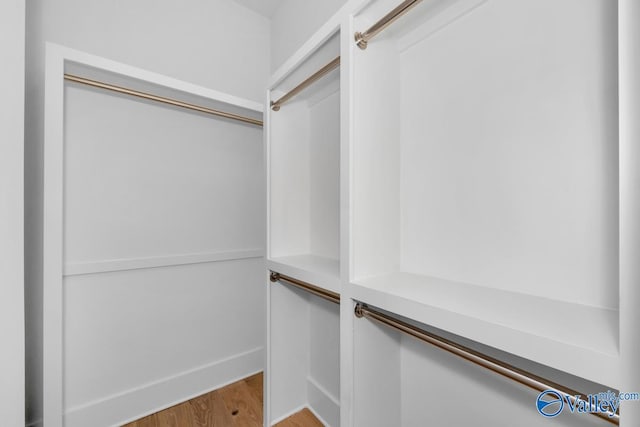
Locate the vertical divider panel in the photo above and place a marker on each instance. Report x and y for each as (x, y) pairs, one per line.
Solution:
(378, 375)
(53, 402)
(289, 350)
(629, 88)
(346, 223)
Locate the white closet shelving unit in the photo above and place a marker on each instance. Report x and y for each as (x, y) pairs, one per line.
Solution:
(303, 166)
(485, 189)
(479, 201)
(484, 203)
(304, 174)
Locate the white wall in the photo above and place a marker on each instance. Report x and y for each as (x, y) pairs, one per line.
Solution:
(294, 22)
(629, 50)
(11, 213)
(148, 183)
(216, 44)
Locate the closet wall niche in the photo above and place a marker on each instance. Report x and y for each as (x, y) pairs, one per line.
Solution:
(303, 175)
(154, 223)
(402, 381)
(485, 175)
(304, 172)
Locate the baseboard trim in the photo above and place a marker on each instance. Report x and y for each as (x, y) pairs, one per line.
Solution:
(147, 399)
(323, 404)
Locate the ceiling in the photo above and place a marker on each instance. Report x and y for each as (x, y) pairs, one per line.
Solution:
(263, 7)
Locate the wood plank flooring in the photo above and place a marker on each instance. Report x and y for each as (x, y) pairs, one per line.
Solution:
(304, 418)
(236, 405)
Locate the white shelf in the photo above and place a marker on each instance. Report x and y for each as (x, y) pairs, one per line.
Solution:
(317, 270)
(578, 339)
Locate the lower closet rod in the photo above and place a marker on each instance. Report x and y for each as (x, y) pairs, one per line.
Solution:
(519, 375)
(322, 293)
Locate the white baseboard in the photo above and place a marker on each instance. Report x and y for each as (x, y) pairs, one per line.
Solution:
(320, 402)
(323, 404)
(147, 399)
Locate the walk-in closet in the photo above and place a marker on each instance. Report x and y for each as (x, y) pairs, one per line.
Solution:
(340, 213)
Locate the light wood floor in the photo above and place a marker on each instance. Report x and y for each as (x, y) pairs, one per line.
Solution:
(238, 404)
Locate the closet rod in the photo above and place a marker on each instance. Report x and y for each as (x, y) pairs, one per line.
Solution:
(162, 99)
(275, 106)
(363, 38)
(322, 293)
(516, 374)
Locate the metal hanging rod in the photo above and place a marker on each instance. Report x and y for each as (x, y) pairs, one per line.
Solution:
(363, 38)
(162, 99)
(506, 370)
(322, 293)
(275, 106)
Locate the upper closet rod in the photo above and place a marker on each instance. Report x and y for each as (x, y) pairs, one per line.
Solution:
(363, 38)
(162, 99)
(519, 375)
(322, 293)
(275, 106)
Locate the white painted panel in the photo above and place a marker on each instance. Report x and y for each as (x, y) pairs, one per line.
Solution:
(325, 177)
(629, 13)
(402, 381)
(346, 229)
(288, 167)
(288, 350)
(323, 405)
(127, 329)
(304, 351)
(12, 355)
(376, 160)
(376, 375)
(324, 345)
(509, 155)
(143, 179)
(441, 389)
(304, 164)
